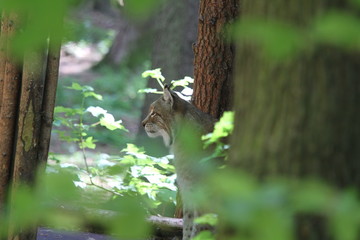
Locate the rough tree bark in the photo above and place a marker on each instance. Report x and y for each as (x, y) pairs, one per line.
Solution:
(214, 56)
(29, 119)
(10, 78)
(298, 118)
(25, 130)
(51, 81)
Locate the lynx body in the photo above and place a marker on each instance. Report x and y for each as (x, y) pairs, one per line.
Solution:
(181, 124)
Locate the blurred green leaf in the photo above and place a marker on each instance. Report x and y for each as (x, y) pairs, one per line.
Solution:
(92, 94)
(277, 39)
(88, 143)
(150, 90)
(68, 111)
(39, 19)
(204, 235)
(311, 196)
(338, 28)
(141, 9)
(76, 86)
(210, 219)
(345, 221)
(223, 128)
(25, 208)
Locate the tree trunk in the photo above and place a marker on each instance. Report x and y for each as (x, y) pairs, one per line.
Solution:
(298, 118)
(48, 104)
(25, 136)
(214, 56)
(29, 119)
(9, 102)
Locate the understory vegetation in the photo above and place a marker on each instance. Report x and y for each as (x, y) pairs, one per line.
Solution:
(96, 173)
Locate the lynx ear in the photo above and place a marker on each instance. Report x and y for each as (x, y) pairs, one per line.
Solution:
(167, 95)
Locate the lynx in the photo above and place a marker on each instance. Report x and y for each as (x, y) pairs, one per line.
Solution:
(181, 124)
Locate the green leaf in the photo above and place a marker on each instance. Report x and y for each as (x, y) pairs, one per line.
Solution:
(338, 28)
(96, 111)
(156, 73)
(222, 128)
(346, 217)
(109, 122)
(204, 235)
(150, 90)
(68, 111)
(88, 143)
(132, 149)
(76, 86)
(277, 39)
(142, 9)
(182, 82)
(92, 94)
(210, 219)
(25, 207)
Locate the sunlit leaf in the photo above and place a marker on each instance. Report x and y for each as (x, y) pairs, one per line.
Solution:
(156, 73)
(132, 149)
(96, 111)
(88, 143)
(109, 122)
(182, 82)
(222, 128)
(150, 90)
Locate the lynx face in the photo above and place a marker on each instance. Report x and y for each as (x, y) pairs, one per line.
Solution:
(158, 121)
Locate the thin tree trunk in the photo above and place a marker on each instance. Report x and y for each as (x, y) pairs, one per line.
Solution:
(2, 54)
(214, 57)
(9, 103)
(48, 105)
(29, 119)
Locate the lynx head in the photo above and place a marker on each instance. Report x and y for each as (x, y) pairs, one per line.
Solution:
(161, 116)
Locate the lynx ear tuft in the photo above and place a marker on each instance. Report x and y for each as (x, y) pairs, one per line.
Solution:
(167, 95)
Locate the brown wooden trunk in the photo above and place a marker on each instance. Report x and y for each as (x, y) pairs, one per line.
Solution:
(48, 104)
(29, 119)
(26, 114)
(9, 105)
(298, 118)
(214, 56)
